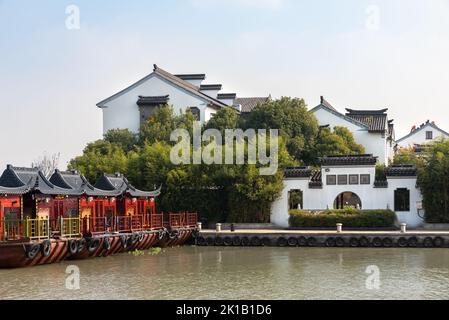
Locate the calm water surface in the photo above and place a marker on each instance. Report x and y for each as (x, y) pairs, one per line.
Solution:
(241, 273)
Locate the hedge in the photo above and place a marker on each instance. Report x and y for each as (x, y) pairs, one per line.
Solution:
(351, 218)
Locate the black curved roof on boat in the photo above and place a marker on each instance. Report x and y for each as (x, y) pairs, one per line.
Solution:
(118, 182)
(15, 180)
(74, 180)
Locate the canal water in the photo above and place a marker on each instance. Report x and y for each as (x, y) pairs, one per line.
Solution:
(240, 273)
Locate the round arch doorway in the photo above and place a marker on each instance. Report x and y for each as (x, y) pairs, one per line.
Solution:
(347, 199)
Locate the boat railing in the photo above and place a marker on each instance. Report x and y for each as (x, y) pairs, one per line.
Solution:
(174, 220)
(191, 219)
(157, 221)
(98, 225)
(130, 223)
(11, 229)
(70, 227)
(36, 229)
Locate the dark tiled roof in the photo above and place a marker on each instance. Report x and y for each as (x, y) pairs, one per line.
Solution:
(349, 160)
(187, 86)
(24, 180)
(199, 76)
(154, 100)
(119, 183)
(225, 96)
(298, 172)
(401, 171)
(326, 104)
(75, 181)
(205, 87)
(376, 120)
(248, 104)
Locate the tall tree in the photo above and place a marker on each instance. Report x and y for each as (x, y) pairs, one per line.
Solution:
(433, 180)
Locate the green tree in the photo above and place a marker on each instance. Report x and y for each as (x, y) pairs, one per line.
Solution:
(340, 141)
(121, 137)
(405, 156)
(291, 117)
(225, 118)
(433, 180)
(100, 157)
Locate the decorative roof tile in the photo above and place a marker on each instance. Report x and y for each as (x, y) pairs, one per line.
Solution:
(376, 120)
(349, 160)
(215, 87)
(117, 182)
(152, 100)
(298, 172)
(248, 104)
(186, 77)
(226, 96)
(401, 171)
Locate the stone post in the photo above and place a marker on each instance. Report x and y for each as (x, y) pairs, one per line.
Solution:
(339, 227)
(218, 227)
(199, 225)
(403, 228)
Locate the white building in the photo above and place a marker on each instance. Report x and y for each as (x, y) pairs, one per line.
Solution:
(421, 135)
(350, 181)
(129, 108)
(371, 128)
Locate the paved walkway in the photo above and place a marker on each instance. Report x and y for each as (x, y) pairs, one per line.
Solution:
(320, 232)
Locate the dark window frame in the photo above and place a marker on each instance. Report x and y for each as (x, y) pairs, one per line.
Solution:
(342, 179)
(354, 176)
(334, 180)
(368, 181)
(429, 135)
(402, 200)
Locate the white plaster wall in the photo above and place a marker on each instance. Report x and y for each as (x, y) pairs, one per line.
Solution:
(209, 113)
(374, 143)
(420, 137)
(411, 218)
(372, 198)
(123, 112)
(211, 93)
(279, 208)
(195, 82)
(228, 102)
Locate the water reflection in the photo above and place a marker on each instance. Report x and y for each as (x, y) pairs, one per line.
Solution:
(241, 273)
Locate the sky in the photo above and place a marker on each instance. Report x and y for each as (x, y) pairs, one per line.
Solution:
(360, 54)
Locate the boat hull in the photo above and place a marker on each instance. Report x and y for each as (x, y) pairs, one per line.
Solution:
(14, 254)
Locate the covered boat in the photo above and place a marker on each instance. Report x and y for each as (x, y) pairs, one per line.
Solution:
(48, 220)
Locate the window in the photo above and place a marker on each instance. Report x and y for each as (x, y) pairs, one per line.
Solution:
(331, 180)
(354, 179)
(196, 113)
(343, 179)
(365, 179)
(429, 135)
(401, 200)
(295, 200)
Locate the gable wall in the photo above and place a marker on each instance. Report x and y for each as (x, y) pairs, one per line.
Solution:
(420, 137)
(123, 111)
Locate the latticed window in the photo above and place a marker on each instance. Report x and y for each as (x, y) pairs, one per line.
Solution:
(331, 180)
(429, 135)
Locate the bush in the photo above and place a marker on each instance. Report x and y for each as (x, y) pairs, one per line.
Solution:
(349, 217)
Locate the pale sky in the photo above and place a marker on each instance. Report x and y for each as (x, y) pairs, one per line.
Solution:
(357, 53)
